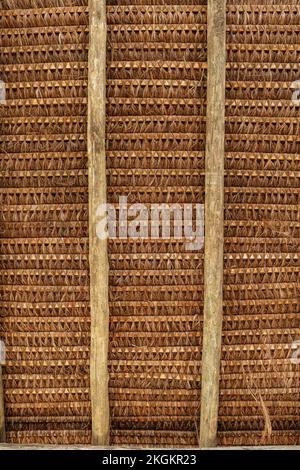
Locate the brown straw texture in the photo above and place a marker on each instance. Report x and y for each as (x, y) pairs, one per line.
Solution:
(260, 386)
(155, 154)
(156, 108)
(44, 216)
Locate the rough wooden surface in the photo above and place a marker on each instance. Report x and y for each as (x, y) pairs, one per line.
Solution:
(98, 248)
(77, 447)
(214, 223)
(2, 415)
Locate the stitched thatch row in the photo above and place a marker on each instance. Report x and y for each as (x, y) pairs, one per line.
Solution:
(250, 438)
(279, 71)
(25, 4)
(186, 439)
(151, 124)
(45, 72)
(34, 213)
(42, 179)
(274, 341)
(30, 17)
(174, 261)
(165, 438)
(51, 437)
(174, 409)
(238, 244)
(185, 14)
(20, 36)
(73, 230)
(265, 53)
(153, 323)
(67, 382)
(147, 261)
(150, 107)
(51, 35)
(268, 310)
(42, 162)
(159, 52)
(232, 372)
(149, 277)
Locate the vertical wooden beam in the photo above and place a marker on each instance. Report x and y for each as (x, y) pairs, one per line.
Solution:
(214, 222)
(2, 415)
(98, 248)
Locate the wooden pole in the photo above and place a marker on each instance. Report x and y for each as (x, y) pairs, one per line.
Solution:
(2, 415)
(214, 222)
(98, 248)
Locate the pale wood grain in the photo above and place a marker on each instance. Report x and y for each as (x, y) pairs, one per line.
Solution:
(97, 247)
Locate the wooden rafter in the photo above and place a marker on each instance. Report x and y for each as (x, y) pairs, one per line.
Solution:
(214, 222)
(98, 247)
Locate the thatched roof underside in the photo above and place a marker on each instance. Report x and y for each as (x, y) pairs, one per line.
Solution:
(156, 110)
(260, 386)
(44, 221)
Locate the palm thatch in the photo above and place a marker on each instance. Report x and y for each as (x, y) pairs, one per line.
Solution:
(156, 107)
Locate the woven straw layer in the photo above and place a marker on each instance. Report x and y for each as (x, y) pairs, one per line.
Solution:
(260, 386)
(44, 224)
(155, 154)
